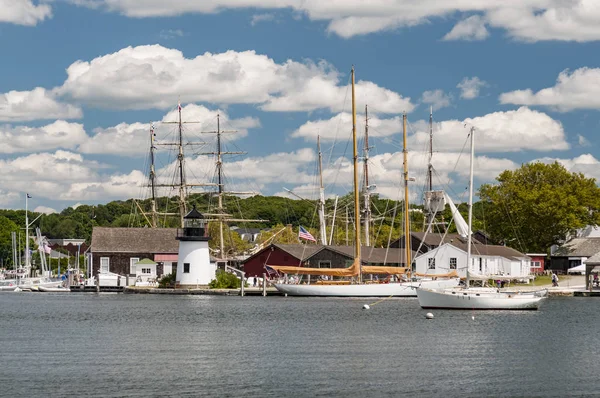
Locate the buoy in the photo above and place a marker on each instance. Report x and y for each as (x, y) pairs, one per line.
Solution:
(429, 315)
(473, 317)
(366, 307)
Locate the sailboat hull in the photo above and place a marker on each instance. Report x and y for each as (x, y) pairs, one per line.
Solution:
(403, 289)
(472, 299)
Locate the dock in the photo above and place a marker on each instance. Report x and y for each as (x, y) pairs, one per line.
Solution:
(202, 291)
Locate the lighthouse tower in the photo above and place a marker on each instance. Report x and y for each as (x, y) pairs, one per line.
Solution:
(193, 264)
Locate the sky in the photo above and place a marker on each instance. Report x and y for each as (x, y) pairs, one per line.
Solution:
(84, 81)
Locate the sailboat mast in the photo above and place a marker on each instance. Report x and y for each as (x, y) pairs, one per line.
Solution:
(323, 230)
(27, 257)
(430, 166)
(406, 208)
(366, 172)
(356, 197)
(153, 177)
(469, 238)
(182, 207)
(220, 187)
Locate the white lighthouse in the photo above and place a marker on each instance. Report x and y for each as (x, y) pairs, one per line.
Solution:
(193, 264)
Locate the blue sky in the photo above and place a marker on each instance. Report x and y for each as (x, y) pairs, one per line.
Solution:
(83, 79)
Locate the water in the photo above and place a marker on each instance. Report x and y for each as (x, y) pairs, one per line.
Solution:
(111, 345)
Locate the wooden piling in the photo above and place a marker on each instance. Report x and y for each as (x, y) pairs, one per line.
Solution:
(264, 292)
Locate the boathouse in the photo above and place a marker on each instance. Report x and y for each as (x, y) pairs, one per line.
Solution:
(573, 253)
(486, 261)
(117, 250)
(320, 256)
(422, 242)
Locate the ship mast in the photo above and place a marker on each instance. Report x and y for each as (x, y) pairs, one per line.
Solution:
(154, 213)
(430, 214)
(366, 186)
(356, 195)
(406, 207)
(323, 230)
(220, 214)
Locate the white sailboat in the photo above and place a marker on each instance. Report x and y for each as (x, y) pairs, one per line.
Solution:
(468, 298)
(356, 287)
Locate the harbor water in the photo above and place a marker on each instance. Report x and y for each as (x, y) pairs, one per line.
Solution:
(116, 345)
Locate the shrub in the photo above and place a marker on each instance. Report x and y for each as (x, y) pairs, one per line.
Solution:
(225, 280)
(167, 280)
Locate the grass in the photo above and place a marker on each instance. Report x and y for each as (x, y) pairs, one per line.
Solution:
(542, 280)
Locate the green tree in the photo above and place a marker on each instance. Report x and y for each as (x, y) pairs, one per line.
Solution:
(535, 206)
(6, 227)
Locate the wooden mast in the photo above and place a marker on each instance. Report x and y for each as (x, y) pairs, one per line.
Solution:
(406, 208)
(322, 227)
(366, 179)
(356, 196)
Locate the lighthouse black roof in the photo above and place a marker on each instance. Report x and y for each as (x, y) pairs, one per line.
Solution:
(194, 214)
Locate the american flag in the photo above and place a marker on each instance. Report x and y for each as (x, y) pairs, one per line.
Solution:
(304, 234)
(271, 271)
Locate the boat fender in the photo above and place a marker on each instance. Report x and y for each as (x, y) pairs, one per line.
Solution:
(366, 307)
(429, 315)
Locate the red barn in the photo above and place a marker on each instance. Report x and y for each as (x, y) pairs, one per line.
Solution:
(278, 254)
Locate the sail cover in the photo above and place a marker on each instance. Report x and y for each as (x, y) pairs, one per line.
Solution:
(461, 225)
(353, 270)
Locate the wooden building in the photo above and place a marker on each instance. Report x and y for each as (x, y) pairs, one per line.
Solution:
(117, 250)
(573, 253)
(320, 256)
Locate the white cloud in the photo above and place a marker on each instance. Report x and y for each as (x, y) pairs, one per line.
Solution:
(134, 139)
(154, 77)
(510, 131)
(471, 28)
(339, 127)
(530, 20)
(470, 86)
(45, 210)
(582, 141)
(436, 98)
(117, 186)
(23, 12)
(586, 164)
(34, 105)
(258, 18)
(577, 90)
(22, 139)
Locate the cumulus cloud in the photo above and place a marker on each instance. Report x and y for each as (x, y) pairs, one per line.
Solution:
(154, 77)
(436, 98)
(34, 105)
(470, 86)
(45, 210)
(579, 89)
(582, 141)
(510, 131)
(23, 139)
(339, 127)
(585, 163)
(23, 12)
(134, 139)
(529, 20)
(471, 28)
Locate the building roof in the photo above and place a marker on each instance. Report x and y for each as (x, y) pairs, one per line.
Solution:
(478, 249)
(301, 252)
(374, 255)
(134, 240)
(437, 239)
(579, 247)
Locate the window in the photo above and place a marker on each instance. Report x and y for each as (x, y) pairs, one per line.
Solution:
(452, 262)
(431, 263)
(104, 265)
(186, 268)
(132, 262)
(324, 264)
(536, 264)
(146, 271)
